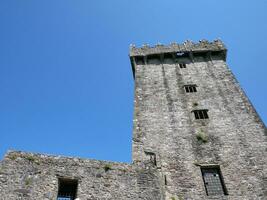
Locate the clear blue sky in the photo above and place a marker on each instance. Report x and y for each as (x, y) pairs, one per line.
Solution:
(66, 84)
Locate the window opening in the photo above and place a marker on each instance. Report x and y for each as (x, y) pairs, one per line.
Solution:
(139, 60)
(165, 179)
(201, 114)
(190, 88)
(67, 189)
(152, 158)
(213, 181)
(182, 65)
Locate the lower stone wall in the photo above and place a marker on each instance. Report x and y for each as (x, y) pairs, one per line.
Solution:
(36, 177)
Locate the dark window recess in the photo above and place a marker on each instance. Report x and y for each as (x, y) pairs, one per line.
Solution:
(165, 179)
(153, 58)
(67, 189)
(168, 56)
(190, 88)
(139, 60)
(201, 114)
(152, 158)
(182, 65)
(213, 181)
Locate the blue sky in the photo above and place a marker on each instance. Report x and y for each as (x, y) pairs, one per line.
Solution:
(66, 84)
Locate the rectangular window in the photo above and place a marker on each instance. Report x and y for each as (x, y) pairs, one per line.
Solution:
(152, 157)
(67, 189)
(190, 88)
(201, 114)
(213, 181)
(182, 65)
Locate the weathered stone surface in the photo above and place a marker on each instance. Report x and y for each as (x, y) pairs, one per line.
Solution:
(187, 46)
(35, 176)
(164, 124)
(167, 154)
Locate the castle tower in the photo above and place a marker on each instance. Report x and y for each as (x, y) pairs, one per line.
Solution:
(196, 137)
(195, 124)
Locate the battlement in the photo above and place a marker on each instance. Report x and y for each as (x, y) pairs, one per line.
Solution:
(187, 46)
(187, 50)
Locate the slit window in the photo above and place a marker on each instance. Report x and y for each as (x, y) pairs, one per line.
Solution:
(201, 114)
(67, 189)
(152, 158)
(190, 88)
(213, 181)
(182, 65)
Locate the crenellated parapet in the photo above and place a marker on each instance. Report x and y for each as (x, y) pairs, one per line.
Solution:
(187, 46)
(178, 53)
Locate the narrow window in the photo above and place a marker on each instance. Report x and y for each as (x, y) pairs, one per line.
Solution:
(152, 158)
(201, 114)
(182, 65)
(165, 179)
(213, 181)
(190, 88)
(67, 189)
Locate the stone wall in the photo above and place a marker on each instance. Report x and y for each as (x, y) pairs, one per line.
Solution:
(187, 46)
(28, 176)
(164, 124)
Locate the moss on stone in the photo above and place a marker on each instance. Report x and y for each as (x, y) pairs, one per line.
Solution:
(202, 137)
(12, 157)
(107, 167)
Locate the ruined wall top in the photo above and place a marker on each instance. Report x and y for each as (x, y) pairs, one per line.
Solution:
(187, 46)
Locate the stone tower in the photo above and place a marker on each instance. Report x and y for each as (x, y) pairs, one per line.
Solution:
(196, 137)
(197, 125)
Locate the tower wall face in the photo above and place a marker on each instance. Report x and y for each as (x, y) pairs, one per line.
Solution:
(175, 155)
(233, 137)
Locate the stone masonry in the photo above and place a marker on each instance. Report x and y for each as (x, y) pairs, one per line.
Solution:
(179, 153)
